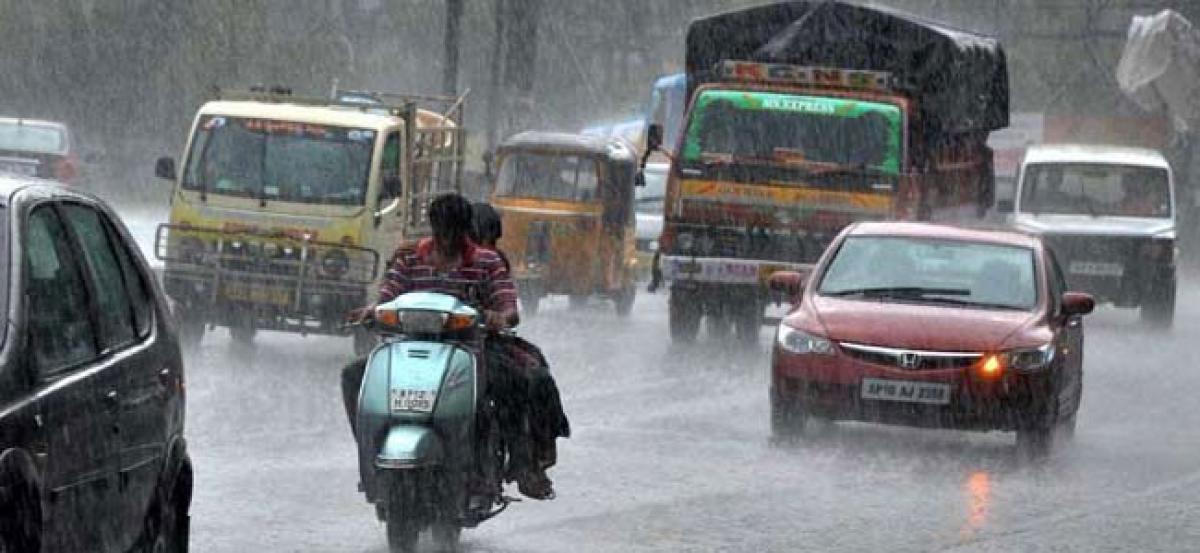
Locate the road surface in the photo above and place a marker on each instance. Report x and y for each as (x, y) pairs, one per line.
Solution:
(670, 453)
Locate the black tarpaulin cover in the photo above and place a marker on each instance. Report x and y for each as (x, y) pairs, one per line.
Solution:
(960, 79)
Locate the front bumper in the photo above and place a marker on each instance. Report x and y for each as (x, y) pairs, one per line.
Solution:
(831, 387)
(724, 270)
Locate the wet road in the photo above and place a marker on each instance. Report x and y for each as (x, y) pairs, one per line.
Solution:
(670, 453)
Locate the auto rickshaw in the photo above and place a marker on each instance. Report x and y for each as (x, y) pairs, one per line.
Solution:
(567, 206)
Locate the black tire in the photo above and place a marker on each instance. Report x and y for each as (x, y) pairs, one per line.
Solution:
(789, 420)
(446, 536)
(20, 520)
(168, 524)
(683, 317)
(623, 302)
(1158, 309)
(1034, 443)
(402, 531)
(747, 324)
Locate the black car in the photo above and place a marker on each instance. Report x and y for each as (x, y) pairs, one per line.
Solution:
(92, 454)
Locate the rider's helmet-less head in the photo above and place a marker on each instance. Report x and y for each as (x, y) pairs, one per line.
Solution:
(487, 228)
(451, 220)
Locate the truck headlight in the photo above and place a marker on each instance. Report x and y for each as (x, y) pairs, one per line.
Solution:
(803, 343)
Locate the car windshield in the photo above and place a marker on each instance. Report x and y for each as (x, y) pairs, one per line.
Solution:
(22, 137)
(548, 177)
(786, 128)
(280, 160)
(650, 196)
(1096, 189)
(924, 270)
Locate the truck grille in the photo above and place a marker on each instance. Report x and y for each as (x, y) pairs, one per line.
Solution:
(755, 243)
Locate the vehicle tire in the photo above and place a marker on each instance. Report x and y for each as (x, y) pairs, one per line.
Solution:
(402, 531)
(789, 420)
(167, 526)
(446, 537)
(624, 301)
(716, 326)
(683, 317)
(747, 324)
(1065, 429)
(1158, 309)
(191, 330)
(20, 520)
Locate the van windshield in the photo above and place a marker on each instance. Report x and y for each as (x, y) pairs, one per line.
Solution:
(1096, 189)
(280, 160)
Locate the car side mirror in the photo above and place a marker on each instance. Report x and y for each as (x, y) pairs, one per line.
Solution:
(1004, 206)
(786, 284)
(654, 137)
(164, 168)
(1077, 303)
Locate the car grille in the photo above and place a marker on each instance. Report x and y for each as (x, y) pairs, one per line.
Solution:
(756, 243)
(914, 360)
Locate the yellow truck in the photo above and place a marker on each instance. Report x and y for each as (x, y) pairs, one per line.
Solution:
(286, 208)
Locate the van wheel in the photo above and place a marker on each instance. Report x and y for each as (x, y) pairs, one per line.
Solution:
(1158, 310)
(683, 317)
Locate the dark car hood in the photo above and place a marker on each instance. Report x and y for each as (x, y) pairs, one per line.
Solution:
(915, 326)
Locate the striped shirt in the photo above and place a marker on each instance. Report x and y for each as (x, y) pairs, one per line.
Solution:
(482, 280)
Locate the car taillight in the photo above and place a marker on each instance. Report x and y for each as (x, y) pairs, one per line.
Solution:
(64, 170)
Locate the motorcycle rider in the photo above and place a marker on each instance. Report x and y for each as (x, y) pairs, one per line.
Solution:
(450, 262)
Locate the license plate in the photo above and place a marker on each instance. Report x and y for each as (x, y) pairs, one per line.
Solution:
(1096, 268)
(26, 169)
(906, 390)
(419, 401)
(258, 295)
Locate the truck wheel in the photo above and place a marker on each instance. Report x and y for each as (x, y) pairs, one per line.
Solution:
(683, 317)
(1158, 310)
(747, 324)
(624, 300)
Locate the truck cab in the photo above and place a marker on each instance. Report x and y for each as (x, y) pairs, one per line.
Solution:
(285, 208)
(1108, 214)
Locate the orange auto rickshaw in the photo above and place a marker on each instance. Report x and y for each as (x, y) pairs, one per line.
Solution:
(567, 206)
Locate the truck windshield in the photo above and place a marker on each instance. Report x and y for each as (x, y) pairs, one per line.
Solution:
(547, 176)
(280, 160)
(1096, 189)
(808, 131)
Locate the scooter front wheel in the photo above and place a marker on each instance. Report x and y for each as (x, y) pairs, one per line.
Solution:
(402, 532)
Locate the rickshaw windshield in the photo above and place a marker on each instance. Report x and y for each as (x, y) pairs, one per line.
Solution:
(548, 176)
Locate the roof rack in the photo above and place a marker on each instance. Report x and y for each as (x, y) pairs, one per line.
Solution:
(396, 105)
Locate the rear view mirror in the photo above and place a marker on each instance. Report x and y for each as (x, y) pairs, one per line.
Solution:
(164, 168)
(654, 137)
(1077, 303)
(1004, 206)
(788, 284)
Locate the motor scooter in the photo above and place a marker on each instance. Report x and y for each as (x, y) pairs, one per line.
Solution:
(430, 451)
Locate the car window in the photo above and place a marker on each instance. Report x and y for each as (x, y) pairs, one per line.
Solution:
(112, 299)
(60, 331)
(390, 166)
(135, 282)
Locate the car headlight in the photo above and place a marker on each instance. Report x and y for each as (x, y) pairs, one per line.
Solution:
(1032, 359)
(686, 241)
(800, 342)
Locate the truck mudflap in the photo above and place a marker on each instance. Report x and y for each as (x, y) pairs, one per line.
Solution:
(290, 275)
(409, 446)
(724, 270)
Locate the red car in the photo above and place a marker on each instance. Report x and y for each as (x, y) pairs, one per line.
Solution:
(932, 326)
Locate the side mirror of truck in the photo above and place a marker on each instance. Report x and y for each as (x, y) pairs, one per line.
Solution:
(654, 137)
(164, 168)
(1004, 206)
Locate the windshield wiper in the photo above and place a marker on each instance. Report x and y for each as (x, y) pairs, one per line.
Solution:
(918, 292)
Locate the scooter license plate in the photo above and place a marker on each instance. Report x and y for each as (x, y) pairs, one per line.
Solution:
(418, 401)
